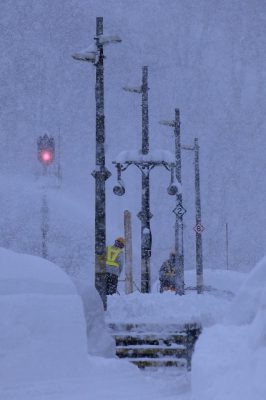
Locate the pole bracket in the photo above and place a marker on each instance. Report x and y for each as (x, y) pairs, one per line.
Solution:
(103, 174)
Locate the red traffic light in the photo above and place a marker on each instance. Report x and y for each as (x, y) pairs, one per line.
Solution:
(46, 156)
(46, 149)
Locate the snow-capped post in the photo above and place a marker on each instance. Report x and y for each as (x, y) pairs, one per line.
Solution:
(199, 227)
(179, 210)
(95, 55)
(145, 163)
(128, 253)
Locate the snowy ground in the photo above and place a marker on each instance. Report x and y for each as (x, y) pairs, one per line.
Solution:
(44, 349)
(43, 353)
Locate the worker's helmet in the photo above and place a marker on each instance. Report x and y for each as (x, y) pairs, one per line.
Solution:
(120, 242)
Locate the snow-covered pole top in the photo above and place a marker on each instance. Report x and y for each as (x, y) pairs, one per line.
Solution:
(176, 125)
(143, 89)
(91, 53)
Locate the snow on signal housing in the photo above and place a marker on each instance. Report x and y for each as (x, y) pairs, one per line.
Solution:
(46, 149)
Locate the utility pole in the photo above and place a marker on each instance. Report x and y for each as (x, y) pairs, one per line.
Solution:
(179, 209)
(101, 173)
(199, 227)
(144, 215)
(95, 55)
(145, 164)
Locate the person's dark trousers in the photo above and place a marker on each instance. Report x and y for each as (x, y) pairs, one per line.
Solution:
(111, 283)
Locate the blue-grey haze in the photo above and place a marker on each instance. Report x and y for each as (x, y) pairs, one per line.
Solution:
(206, 57)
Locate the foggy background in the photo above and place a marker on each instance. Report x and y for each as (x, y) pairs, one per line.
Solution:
(205, 57)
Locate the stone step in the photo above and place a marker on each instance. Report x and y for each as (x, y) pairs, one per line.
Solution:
(152, 352)
(153, 328)
(155, 345)
(149, 339)
(159, 363)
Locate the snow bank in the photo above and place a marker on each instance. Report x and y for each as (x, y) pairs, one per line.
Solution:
(165, 308)
(43, 350)
(100, 342)
(42, 325)
(230, 358)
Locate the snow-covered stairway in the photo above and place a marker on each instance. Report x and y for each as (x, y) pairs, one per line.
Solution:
(154, 345)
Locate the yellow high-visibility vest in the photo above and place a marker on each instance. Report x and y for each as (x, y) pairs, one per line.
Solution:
(112, 254)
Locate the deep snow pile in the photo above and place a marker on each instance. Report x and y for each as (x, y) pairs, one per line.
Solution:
(35, 343)
(205, 309)
(230, 358)
(43, 348)
(42, 325)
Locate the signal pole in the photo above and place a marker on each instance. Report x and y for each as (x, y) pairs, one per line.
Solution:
(46, 155)
(198, 228)
(180, 211)
(95, 55)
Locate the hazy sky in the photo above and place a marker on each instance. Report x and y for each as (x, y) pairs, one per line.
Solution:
(205, 57)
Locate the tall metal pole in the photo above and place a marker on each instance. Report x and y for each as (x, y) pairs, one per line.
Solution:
(179, 247)
(199, 263)
(145, 111)
(145, 214)
(145, 166)
(179, 209)
(101, 173)
(95, 56)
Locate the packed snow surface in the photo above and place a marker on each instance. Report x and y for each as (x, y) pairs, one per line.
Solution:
(206, 309)
(43, 345)
(230, 358)
(44, 349)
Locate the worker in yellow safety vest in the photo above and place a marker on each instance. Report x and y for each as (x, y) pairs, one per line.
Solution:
(114, 264)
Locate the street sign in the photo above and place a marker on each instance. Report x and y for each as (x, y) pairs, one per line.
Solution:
(199, 228)
(179, 210)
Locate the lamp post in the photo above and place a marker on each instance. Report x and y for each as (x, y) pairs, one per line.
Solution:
(95, 55)
(145, 164)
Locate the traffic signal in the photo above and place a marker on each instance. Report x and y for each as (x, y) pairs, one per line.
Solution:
(46, 149)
